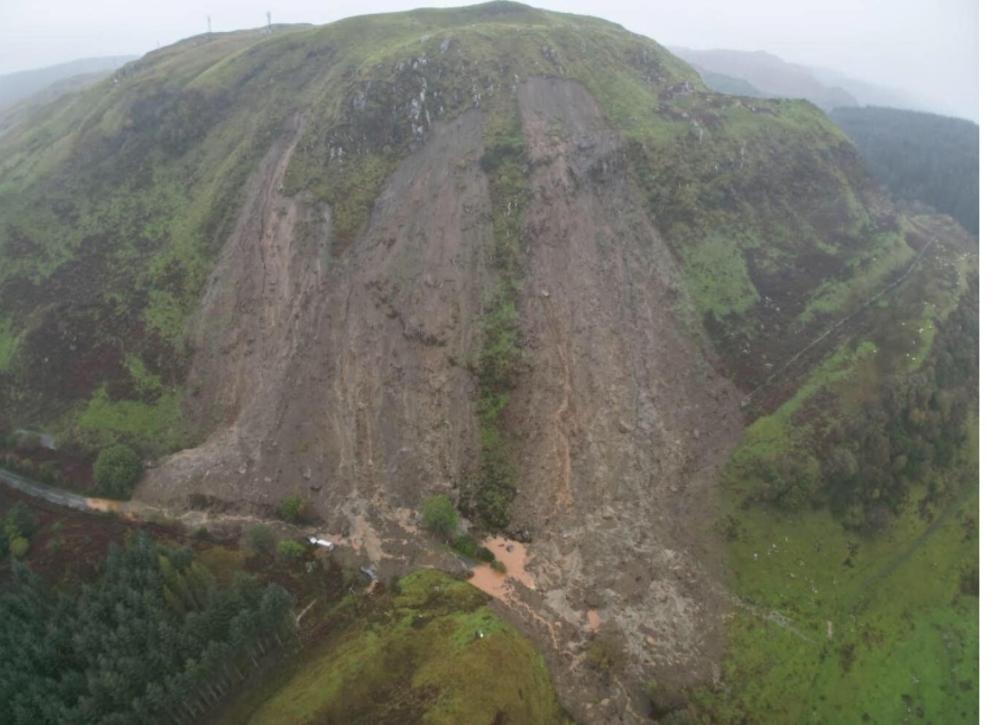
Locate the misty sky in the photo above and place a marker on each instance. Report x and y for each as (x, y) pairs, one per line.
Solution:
(929, 48)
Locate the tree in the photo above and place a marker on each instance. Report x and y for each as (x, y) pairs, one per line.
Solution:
(260, 540)
(292, 509)
(122, 651)
(440, 516)
(289, 549)
(116, 470)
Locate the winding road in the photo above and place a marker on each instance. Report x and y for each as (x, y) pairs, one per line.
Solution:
(129, 509)
(59, 496)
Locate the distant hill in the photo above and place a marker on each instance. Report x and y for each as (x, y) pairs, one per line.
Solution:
(919, 156)
(769, 74)
(868, 94)
(729, 84)
(15, 87)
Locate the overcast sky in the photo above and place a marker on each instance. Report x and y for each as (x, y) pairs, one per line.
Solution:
(928, 48)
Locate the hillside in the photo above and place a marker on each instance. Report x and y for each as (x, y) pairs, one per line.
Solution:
(528, 261)
(919, 157)
(12, 115)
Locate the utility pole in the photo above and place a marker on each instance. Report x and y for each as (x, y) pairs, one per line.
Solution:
(268, 20)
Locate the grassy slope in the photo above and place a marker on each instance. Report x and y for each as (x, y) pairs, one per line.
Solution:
(415, 657)
(839, 626)
(904, 635)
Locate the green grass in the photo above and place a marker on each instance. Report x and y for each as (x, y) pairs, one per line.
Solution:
(416, 656)
(718, 277)
(902, 625)
(904, 636)
(155, 428)
(902, 628)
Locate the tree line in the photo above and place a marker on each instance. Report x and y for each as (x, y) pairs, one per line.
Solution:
(154, 639)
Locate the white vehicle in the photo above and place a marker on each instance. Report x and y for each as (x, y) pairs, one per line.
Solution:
(320, 542)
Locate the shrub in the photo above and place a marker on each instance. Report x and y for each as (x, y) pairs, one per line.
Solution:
(440, 515)
(292, 509)
(19, 547)
(484, 554)
(290, 549)
(260, 540)
(467, 546)
(605, 654)
(116, 470)
(497, 565)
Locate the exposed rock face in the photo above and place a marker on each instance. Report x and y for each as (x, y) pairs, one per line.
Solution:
(620, 412)
(339, 377)
(344, 378)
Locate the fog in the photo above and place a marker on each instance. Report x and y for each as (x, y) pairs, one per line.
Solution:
(926, 48)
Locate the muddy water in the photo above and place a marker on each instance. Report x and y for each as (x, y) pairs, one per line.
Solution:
(513, 555)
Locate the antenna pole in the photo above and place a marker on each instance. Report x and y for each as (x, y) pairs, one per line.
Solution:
(209, 28)
(268, 20)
